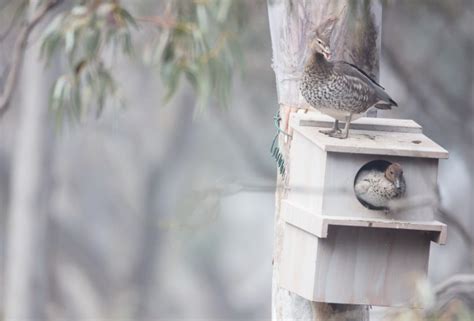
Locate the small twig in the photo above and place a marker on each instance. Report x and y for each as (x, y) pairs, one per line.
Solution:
(454, 281)
(19, 52)
(167, 22)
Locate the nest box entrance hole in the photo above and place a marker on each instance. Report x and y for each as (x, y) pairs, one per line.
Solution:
(378, 165)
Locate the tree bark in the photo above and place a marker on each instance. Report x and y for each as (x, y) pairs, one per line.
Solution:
(356, 39)
(25, 275)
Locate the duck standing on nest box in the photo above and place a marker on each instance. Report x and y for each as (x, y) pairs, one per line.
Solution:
(338, 88)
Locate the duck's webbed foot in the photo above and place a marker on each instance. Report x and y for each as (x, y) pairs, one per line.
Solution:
(335, 129)
(339, 134)
(330, 132)
(345, 133)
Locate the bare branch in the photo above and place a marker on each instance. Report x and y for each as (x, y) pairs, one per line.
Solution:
(19, 51)
(458, 289)
(455, 280)
(13, 21)
(451, 220)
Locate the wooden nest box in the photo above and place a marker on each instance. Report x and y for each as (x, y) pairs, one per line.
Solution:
(335, 249)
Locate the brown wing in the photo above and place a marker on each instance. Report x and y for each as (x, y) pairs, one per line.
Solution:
(363, 72)
(358, 75)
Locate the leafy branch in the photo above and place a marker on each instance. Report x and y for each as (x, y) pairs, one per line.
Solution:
(84, 35)
(197, 41)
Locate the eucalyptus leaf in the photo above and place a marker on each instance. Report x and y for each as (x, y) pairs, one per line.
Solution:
(70, 41)
(49, 46)
(59, 88)
(128, 17)
(79, 10)
(223, 12)
(202, 18)
(106, 8)
(92, 42)
(171, 74)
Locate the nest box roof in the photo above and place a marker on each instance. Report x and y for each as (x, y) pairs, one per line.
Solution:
(380, 136)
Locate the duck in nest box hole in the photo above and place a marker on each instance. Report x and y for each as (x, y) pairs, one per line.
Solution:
(376, 188)
(338, 88)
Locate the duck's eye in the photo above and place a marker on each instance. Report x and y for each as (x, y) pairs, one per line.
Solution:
(319, 41)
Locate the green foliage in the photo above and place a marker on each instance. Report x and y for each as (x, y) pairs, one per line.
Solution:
(84, 35)
(198, 41)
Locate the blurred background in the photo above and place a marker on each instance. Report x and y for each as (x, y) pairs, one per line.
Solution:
(161, 205)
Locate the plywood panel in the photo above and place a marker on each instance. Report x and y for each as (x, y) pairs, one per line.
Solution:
(316, 119)
(370, 266)
(420, 197)
(319, 225)
(395, 143)
(306, 183)
(298, 265)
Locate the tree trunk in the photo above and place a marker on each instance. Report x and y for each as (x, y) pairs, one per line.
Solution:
(25, 275)
(356, 39)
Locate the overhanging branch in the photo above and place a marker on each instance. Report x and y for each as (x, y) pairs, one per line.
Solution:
(19, 52)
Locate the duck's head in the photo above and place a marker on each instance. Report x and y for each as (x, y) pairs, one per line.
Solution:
(394, 173)
(320, 37)
(318, 45)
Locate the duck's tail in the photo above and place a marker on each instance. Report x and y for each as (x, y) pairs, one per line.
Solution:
(386, 105)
